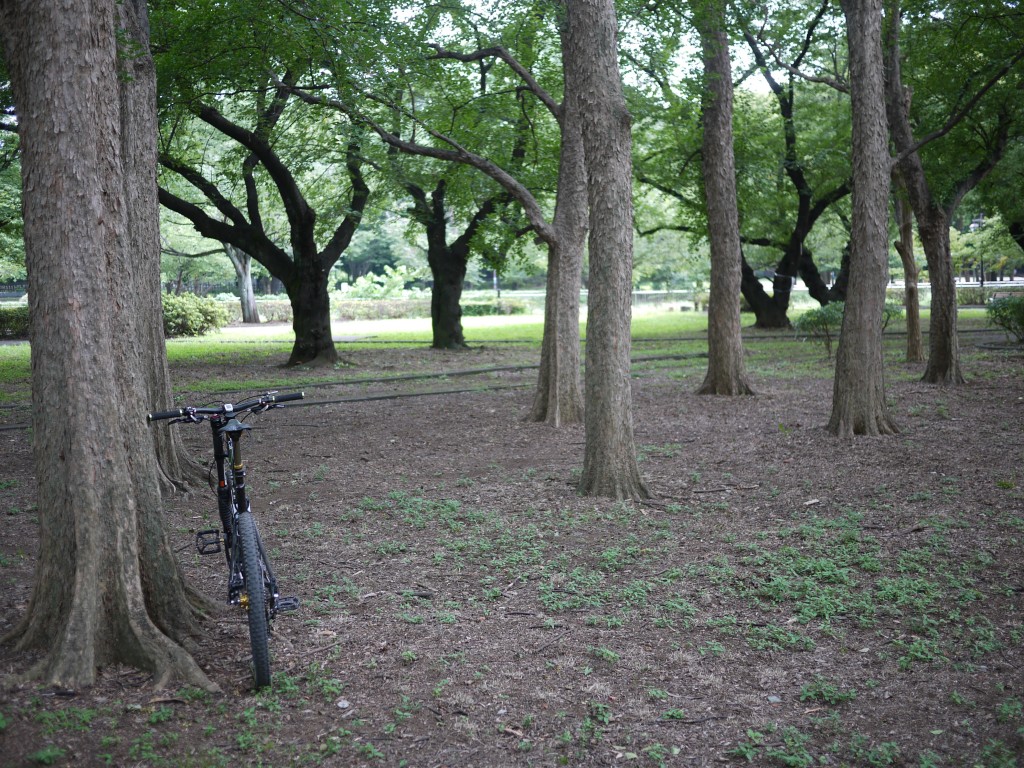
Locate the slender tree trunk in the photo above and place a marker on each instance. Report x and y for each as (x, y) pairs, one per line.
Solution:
(726, 374)
(858, 403)
(559, 397)
(242, 262)
(838, 290)
(932, 222)
(609, 463)
(107, 586)
(943, 343)
(911, 300)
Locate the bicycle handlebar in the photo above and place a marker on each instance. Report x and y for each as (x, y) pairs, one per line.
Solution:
(262, 402)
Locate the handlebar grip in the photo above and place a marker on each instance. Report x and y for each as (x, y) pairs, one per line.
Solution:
(286, 397)
(177, 413)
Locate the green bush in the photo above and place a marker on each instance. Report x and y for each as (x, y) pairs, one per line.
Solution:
(825, 322)
(821, 323)
(14, 322)
(1008, 314)
(891, 312)
(189, 315)
(390, 285)
(972, 296)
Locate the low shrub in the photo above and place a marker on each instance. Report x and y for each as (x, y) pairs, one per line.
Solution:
(378, 309)
(972, 296)
(189, 315)
(821, 323)
(270, 310)
(825, 322)
(1008, 313)
(14, 322)
(495, 307)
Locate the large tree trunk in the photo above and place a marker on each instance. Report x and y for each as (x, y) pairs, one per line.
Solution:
(559, 397)
(769, 311)
(609, 463)
(141, 276)
(107, 586)
(311, 315)
(242, 262)
(449, 273)
(911, 300)
(726, 374)
(858, 403)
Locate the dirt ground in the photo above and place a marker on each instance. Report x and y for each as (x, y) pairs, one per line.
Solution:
(785, 598)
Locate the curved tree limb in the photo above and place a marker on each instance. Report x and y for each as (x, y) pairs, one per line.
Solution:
(502, 53)
(457, 154)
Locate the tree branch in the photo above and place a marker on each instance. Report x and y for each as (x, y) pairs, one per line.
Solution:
(500, 52)
(360, 194)
(208, 189)
(457, 154)
(956, 118)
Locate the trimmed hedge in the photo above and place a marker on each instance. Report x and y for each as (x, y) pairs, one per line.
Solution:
(14, 322)
(496, 307)
(379, 309)
(189, 315)
(270, 310)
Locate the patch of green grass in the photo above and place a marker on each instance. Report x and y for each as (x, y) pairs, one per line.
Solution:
(822, 690)
(47, 755)
(775, 638)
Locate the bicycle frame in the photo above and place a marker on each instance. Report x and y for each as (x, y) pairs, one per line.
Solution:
(233, 500)
(251, 581)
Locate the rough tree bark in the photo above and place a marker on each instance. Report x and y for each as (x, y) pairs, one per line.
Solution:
(141, 286)
(858, 403)
(726, 374)
(912, 301)
(559, 397)
(609, 462)
(107, 586)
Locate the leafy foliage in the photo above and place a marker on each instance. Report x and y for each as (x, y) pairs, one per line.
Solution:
(821, 323)
(190, 315)
(1008, 313)
(14, 322)
(825, 322)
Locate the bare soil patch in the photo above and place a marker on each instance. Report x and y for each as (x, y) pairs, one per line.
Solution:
(785, 598)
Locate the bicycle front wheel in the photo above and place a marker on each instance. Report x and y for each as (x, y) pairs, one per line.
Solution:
(256, 599)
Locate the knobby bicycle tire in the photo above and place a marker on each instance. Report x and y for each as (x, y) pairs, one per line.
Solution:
(256, 607)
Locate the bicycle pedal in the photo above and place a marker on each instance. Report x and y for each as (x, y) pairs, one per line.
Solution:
(287, 604)
(208, 542)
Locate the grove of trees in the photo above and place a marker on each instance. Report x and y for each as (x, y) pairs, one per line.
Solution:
(276, 129)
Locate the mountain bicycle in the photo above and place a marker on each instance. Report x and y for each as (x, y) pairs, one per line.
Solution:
(251, 581)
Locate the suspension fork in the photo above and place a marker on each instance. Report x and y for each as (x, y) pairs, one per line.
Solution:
(242, 505)
(220, 456)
